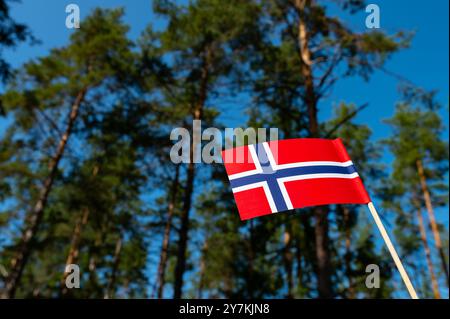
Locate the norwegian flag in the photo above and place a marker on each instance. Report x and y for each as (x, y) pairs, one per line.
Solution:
(275, 176)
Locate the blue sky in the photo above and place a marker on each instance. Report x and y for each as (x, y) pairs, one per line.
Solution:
(425, 63)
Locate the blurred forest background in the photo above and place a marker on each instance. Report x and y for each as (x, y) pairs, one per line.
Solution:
(86, 178)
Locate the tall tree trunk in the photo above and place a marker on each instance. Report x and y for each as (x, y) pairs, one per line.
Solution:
(183, 233)
(184, 229)
(433, 224)
(299, 257)
(74, 250)
(93, 255)
(166, 238)
(201, 276)
(423, 236)
(322, 253)
(112, 279)
(306, 69)
(310, 98)
(288, 259)
(228, 287)
(34, 219)
(92, 267)
(348, 259)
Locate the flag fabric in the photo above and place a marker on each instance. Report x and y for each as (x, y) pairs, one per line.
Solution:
(281, 175)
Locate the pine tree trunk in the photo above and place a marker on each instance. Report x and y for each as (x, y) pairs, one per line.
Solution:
(34, 219)
(348, 260)
(322, 253)
(74, 250)
(320, 212)
(112, 279)
(288, 259)
(184, 229)
(434, 227)
(167, 228)
(423, 236)
(228, 287)
(92, 267)
(93, 254)
(201, 276)
(183, 234)
(298, 257)
(306, 70)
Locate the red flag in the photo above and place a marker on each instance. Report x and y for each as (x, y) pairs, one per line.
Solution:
(281, 175)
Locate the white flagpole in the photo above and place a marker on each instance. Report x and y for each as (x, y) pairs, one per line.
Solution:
(391, 248)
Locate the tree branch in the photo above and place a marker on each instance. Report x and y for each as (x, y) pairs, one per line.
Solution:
(346, 119)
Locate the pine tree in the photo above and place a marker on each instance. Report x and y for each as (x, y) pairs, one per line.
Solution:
(199, 36)
(421, 162)
(358, 247)
(11, 34)
(62, 83)
(323, 50)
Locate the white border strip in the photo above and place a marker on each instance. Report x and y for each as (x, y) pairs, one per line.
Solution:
(283, 189)
(267, 192)
(319, 175)
(248, 186)
(314, 163)
(275, 166)
(282, 180)
(258, 169)
(285, 194)
(270, 155)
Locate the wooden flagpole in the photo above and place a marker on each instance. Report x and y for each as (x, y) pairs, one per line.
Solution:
(391, 248)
